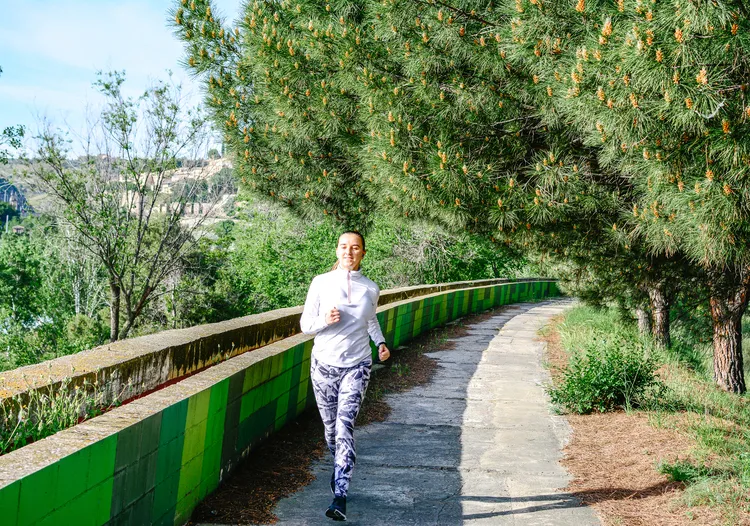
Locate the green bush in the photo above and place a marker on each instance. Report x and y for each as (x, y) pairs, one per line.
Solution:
(684, 471)
(605, 374)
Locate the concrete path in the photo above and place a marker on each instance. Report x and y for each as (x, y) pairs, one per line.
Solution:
(478, 445)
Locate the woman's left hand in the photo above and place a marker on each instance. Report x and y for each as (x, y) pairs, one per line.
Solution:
(383, 353)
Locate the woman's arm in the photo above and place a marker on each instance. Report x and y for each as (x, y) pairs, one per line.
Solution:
(373, 327)
(312, 320)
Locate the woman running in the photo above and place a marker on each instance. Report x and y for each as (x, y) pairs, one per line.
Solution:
(340, 311)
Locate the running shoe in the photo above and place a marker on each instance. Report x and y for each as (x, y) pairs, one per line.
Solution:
(337, 509)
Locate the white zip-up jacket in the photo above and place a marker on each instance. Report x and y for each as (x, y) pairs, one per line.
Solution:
(347, 342)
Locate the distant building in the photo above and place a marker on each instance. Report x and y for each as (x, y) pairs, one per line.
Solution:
(18, 229)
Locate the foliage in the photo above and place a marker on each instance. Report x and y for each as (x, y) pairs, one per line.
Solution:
(331, 120)
(264, 259)
(683, 471)
(30, 418)
(399, 108)
(10, 136)
(110, 200)
(612, 369)
(20, 279)
(436, 124)
(7, 213)
(52, 296)
(562, 128)
(267, 259)
(401, 254)
(716, 470)
(657, 92)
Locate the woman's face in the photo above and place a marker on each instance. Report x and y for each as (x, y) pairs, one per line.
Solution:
(349, 251)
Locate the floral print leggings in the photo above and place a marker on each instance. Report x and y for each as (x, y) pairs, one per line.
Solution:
(339, 392)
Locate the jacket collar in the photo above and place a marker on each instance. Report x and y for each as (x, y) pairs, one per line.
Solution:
(354, 273)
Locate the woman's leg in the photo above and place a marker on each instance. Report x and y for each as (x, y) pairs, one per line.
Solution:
(351, 392)
(326, 380)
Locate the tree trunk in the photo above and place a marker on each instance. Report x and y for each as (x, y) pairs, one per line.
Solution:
(134, 313)
(644, 320)
(728, 372)
(114, 311)
(77, 295)
(728, 304)
(660, 310)
(174, 308)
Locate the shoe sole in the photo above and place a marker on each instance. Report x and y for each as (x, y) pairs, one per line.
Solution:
(335, 515)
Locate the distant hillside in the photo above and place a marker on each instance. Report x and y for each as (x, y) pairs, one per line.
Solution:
(203, 169)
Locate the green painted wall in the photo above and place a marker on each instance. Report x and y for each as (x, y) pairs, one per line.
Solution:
(157, 470)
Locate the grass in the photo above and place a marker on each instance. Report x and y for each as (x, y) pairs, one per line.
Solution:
(37, 415)
(717, 471)
(401, 369)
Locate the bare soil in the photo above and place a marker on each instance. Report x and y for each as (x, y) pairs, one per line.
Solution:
(613, 458)
(282, 465)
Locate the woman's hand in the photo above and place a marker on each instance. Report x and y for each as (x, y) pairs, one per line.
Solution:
(383, 352)
(333, 316)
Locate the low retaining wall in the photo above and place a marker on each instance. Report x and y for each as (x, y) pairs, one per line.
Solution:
(129, 368)
(151, 461)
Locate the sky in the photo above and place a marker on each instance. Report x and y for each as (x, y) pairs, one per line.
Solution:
(50, 51)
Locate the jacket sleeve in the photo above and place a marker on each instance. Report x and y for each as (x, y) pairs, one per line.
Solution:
(373, 327)
(312, 320)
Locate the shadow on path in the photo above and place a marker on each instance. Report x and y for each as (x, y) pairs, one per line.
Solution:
(556, 501)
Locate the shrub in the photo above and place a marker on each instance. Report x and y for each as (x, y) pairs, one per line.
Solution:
(683, 471)
(605, 374)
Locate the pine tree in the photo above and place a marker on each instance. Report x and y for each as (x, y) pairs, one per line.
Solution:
(329, 107)
(439, 124)
(276, 89)
(547, 192)
(466, 115)
(659, 88)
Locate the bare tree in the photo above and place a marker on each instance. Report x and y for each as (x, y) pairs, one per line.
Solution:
(82, 270)
(112, 195)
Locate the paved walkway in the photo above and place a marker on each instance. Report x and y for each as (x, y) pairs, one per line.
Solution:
(478, 445)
